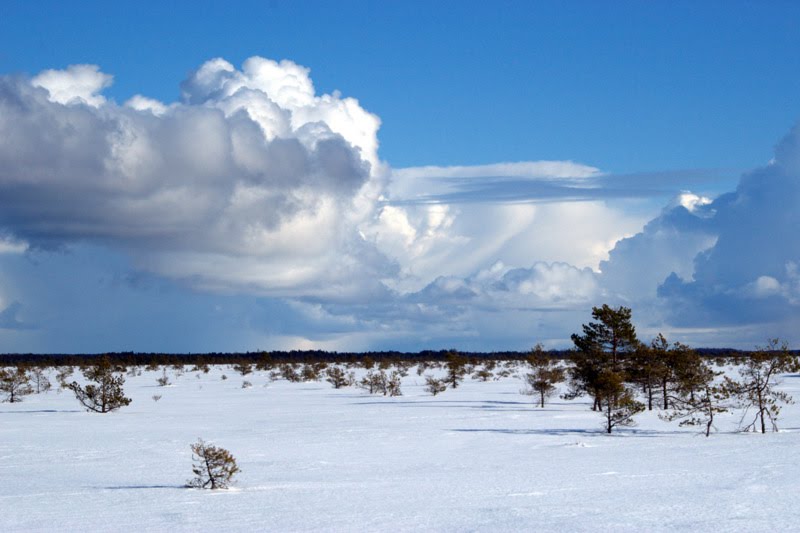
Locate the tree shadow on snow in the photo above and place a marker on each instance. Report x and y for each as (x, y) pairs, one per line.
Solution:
(597, 432)
(441, 402)
(41, 411)
(143, 487)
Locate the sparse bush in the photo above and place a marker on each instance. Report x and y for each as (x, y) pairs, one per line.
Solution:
(106, 394)
(246, 384)
(381, 382)
(223, 377)
(546, 374)
(213, 467)
(337, 377)
(312, 371)
(392, 387)
(163, 381)
(14, 383)
(289, 373)
(62, 374)
(243, 368)
(482, 374)
(264, 361)
(434, 386)
(756, 391)
(371, 382)
(39, 380)
(156, 397)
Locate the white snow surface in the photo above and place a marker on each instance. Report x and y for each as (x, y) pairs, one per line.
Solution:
(478, 458)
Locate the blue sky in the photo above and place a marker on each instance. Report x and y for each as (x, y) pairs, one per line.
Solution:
(649, 114)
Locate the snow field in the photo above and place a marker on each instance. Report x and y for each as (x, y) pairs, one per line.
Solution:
(478, 458)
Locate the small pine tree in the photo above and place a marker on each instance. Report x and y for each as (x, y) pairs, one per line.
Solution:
(546, 374)
(456, 370)
(483, 374)
(243, 368)
(62, 374)
(106, 393)
(39, 380)
(337, 377)
(14, 383)
(163, 381)
(434, 386)
(760, 375)
(213, 467)
(617, 403)
(697, 403)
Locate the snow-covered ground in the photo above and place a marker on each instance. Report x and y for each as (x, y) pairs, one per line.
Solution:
(478, 458)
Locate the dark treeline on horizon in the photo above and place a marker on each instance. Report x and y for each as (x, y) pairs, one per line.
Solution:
(295, 356)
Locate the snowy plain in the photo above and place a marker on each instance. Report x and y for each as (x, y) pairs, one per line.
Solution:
(478, 458)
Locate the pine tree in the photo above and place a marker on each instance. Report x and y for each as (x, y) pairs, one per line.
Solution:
(456, 370)
(15, 384)
(433, 385)
(616, 401)
(105, 394)
(40, 381)
(599, 369)
(337, 377)
(696, 402)
(212, 466)
(546, 374)
(756, 392)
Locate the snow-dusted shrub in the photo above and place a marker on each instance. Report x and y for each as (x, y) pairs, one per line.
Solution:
(246, 384)
(213, 467)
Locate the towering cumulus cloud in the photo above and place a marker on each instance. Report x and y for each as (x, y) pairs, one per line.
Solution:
(251, 182)
(752, 273)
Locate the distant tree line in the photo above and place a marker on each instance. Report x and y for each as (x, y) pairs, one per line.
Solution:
(299, 357)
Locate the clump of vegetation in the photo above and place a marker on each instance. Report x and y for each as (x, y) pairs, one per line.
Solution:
(381, 382)
(246, 384)
(15, 384)
(337, 377)
(456, 368)
(212, 466)
(546, 374)
(105, 393)
(433, 385)
(756, 391)
(39, 380)
(62, 374)
(163, 381)
(243, 368)
(699, 401)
